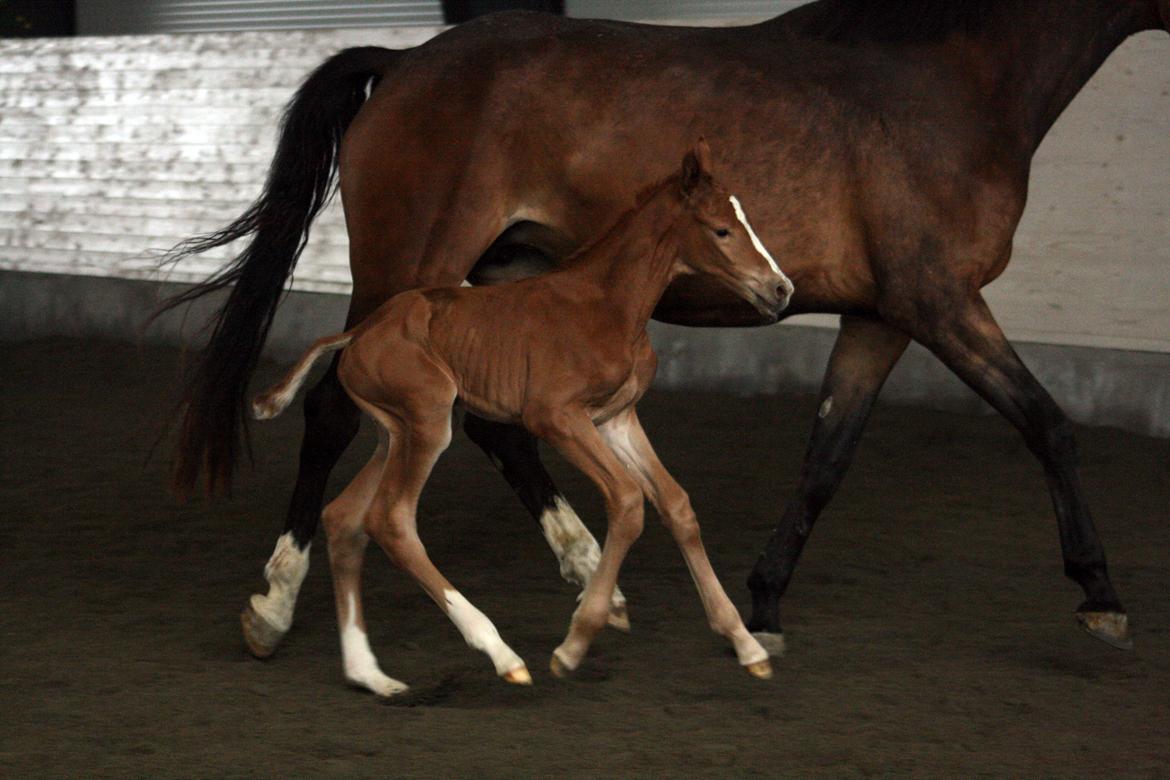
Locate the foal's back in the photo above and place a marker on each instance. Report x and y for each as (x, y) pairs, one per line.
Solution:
(498, 348)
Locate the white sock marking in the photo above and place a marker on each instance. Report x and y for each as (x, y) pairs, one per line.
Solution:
(480, 633)
(361, 667)
(756, 242)
(575, 548)
(285, 571)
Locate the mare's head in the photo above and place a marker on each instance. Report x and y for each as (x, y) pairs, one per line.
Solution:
(717, 240)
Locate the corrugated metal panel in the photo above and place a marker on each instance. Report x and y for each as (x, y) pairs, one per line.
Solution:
(679, 10)
(117, 17)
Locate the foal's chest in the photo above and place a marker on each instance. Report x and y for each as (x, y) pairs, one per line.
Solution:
(628, 388)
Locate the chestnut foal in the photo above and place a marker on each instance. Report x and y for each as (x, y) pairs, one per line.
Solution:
(567, 355)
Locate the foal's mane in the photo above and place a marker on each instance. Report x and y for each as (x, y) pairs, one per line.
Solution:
(899, 21)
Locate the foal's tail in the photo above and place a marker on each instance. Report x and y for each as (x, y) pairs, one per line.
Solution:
(300, 183)
(277, 398)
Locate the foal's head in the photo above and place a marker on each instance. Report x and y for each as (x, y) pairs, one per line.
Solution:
(716, 239)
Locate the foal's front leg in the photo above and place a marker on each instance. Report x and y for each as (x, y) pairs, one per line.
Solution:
(513, 451)
(625, 435)
(573, 434)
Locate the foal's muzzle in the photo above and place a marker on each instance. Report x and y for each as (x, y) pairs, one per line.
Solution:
(769, 297)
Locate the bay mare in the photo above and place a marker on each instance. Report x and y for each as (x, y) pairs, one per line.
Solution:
(567, 356)
(885, 148)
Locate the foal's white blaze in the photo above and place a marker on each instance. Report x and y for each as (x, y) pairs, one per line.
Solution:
(756, 242)
(575, 547)
(361, 667)
(285, 571)
(479, 632)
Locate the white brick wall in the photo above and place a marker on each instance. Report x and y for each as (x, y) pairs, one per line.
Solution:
(112, 147)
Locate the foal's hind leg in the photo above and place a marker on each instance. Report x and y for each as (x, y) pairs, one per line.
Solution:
(392, 521)
(347, 540)
(969, 341)
(513, 450)
(865, 353)
(628, 440)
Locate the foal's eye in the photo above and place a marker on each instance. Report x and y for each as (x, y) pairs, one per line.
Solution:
(723, 232)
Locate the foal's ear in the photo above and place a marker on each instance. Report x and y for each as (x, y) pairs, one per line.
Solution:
(695, 165)
(703, 153)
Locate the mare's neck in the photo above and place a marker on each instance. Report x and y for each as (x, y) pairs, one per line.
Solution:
(1032, 63)
(633, 264)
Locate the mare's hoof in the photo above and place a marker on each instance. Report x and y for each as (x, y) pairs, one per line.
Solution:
(261, 636)
(619, 618)
(1112, 628)
(517, 676)
(773, 643)
(761, 670)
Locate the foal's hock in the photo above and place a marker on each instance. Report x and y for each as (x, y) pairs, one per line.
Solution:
(566, 355)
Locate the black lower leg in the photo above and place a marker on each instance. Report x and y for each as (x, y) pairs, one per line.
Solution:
(513, 450)
(331, 422)
(834, 440)
(865, 352)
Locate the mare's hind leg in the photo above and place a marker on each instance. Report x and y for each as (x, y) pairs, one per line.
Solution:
(331, 422)
(514, 452)
(420, 438)
(969, 341)
(625, 436)
(347, 541)
(865, 353)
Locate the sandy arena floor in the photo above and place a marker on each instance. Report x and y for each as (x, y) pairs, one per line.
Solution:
(930, 630)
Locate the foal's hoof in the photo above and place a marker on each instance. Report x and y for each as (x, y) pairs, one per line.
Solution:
(1112, 628)
(261, 636)
(559, 668)
(761, 670)
(773, 643)
(517, 676)
(619, 618)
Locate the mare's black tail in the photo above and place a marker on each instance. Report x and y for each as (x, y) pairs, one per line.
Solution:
(300, 183)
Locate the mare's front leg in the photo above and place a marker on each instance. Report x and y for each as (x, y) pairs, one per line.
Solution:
(513, 451)
(968, 340)
(626, 436)
(572, 433)
(865, 353)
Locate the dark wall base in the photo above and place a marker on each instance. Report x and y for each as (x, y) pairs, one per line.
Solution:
(1120, 388)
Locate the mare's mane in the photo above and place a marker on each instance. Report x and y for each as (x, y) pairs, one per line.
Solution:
(899, 21)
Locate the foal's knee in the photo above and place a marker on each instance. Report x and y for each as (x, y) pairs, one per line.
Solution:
(679, 517)
(626, 515)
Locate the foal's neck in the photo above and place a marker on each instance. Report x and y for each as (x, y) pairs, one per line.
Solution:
(633, 264)
(1033, 63)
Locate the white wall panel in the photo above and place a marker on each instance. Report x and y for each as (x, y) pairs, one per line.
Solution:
(114, 148)
(121, 17)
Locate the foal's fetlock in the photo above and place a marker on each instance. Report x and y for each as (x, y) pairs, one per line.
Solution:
(752, 655)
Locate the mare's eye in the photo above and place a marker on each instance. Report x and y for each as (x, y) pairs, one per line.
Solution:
(723, 232)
